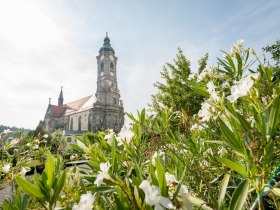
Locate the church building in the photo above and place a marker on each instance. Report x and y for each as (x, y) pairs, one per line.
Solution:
(98, 112)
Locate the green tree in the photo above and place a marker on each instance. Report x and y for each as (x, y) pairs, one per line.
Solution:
(274, 49)
(175, 92)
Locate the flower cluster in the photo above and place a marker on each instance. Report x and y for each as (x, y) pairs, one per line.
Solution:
(124, 136)
(242, 87)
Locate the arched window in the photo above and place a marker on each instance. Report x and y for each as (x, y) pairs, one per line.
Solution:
(89, 123)
(102, 66)
(80, 123)
(71, 124)
(112, 66)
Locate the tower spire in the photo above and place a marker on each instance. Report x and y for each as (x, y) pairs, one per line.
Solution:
(60, 99)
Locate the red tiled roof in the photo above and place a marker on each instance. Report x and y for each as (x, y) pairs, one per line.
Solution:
(58, 110)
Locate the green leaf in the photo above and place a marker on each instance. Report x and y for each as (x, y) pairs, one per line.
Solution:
(153, 175)
(230, 61)
(76, 147)
(49, 169)
(59, 185)
(240, 65)
(143, 115)
(161, 178)
(232, 165)
(274, 117)
(179, 185)
(246, 127)
(6, 205)
(198, 202)
(102, 189)
(29, 188)
(131, 117)
(197, 88)
(113, 155)
(239, 196)
(25, 202)
(223, 189)
(230, 138)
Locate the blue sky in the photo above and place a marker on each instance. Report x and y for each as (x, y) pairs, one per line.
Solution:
(48, 44)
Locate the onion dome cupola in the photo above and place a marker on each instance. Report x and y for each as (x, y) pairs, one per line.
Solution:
(106, 46)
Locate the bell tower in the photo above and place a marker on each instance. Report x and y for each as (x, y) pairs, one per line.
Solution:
(108, 112)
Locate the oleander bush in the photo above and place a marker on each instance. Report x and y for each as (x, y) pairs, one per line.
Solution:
(225, 155)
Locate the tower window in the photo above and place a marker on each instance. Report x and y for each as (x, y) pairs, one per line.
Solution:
(112, 66)
(115, 101)
(102, 66)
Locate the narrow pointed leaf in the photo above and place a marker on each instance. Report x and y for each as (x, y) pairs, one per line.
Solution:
(29, 188)
(161, 178)
(239, 196)
(60, 184)
(49, 169)
(232, 165)
(223, 189)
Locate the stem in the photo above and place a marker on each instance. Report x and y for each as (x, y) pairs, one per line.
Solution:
(256, 203)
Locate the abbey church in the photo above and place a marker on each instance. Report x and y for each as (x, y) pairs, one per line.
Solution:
(98, 112)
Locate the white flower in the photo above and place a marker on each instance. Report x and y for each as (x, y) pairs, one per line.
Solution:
(125, 135)
(237, 47)
(191, 76)
(211, 90)
(81, 145)
(104, 169)
(7, 131)
(205, 163)
(183, 197)
(242, 87)
(209, 70)
(205, 111)
(170, 179)
(72, 157)
(36, 146)
(23, 171)
(222, 151)
(110, 137)
(86, 202)
(225, 84)
(153, 197)
(6, 168)
(28, 144)
(196, 127)
(46, 136)
(183, 151)
(201, 75)
(37, 141)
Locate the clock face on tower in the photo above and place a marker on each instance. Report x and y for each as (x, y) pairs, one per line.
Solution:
(102, 57)
(111, 57)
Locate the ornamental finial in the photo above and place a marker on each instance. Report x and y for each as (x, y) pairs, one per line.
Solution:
(106, 33)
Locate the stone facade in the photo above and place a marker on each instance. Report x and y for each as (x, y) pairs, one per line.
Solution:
(92, 113)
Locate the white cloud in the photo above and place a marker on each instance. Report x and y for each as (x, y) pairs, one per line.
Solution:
(37, 56)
